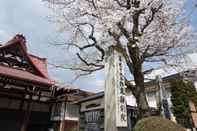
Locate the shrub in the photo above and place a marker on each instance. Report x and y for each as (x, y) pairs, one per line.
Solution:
(157, 124)
(182, 92)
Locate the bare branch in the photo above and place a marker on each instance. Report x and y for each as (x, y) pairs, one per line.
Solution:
(123, 51)
(123, 30)
(148, 71)
(102, 51)
(126, 5)
(94, 44)
(119, 48)
(157, 52)
(93, 3)
(135, 3)
(63, 3)
(150, 18)
(88, 64)
(90, 14)
(89, 70)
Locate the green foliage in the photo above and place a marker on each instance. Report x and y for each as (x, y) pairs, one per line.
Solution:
(157, 124)
(182, 92)
(74, 129)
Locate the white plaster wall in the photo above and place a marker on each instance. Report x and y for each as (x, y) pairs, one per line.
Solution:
(195, 84)
(130, 100)
(151, 98)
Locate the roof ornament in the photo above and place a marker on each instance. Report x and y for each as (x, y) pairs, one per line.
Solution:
(21, 38)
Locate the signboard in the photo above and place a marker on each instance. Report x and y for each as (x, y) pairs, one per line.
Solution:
(194, 118)
(92, 119)
(120, 100)
(193, 112)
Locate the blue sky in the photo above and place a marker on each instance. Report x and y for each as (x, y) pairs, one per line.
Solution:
(30, 17)
(190, 6)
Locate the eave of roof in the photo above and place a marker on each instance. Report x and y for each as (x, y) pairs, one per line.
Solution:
(92, 97)
(23, 75)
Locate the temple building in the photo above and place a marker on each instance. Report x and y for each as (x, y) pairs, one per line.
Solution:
(26, 88)
(29, 98)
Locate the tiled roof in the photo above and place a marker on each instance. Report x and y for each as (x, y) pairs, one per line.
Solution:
(66, 87)
(23, 75)
(41, 64)
(20, 40)
(38, 63)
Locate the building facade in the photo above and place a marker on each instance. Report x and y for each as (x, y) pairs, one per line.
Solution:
(92, 115)
(65, 109)
(25, 88)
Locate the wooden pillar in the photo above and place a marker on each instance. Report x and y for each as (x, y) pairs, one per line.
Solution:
(111, 89)
(62, 126)
(193, 112)
(23, 100)
(26, 115)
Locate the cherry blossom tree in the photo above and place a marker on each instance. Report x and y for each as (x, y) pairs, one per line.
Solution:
(141, 30)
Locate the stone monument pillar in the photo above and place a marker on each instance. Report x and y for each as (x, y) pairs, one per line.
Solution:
(115, 102)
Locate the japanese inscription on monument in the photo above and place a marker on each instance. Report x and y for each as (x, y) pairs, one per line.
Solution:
(121, 110)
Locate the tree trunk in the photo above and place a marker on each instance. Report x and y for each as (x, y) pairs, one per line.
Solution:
(139, 92)
(143, 108)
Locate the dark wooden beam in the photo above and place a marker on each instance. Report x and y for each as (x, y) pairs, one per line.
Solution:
(15, 81)
(19, 98)
(22, 101)
(20, 93)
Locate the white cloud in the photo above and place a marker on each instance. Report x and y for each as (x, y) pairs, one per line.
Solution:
(94, 82)
(4, 35)
(193, 58)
